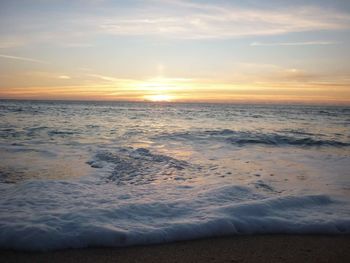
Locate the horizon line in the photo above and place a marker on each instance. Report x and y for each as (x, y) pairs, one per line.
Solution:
(237, 102)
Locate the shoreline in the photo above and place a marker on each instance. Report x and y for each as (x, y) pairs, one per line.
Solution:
(247, 248)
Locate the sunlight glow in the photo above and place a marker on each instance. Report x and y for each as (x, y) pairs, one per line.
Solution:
(159, 98)
(177, 51)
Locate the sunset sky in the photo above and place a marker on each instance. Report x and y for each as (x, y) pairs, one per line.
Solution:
(210, 51)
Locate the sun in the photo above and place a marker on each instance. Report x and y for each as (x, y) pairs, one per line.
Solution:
(159, 98)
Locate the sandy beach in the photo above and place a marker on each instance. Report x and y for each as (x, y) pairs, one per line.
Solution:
(264, 248)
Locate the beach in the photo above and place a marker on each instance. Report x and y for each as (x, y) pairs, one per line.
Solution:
(258, 248)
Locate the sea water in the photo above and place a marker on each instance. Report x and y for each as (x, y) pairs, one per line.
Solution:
(79, 174)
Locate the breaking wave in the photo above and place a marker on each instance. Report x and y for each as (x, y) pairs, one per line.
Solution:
(82, 174)
(242, 138)
(66, 214)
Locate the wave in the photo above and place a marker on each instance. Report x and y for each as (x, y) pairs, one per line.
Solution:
(141, 196)
(36, 132)
(241, 138)
(139, 166)
(277, 140)
(68, 214)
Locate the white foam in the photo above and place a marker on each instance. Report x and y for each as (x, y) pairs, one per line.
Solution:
(117, 174)
(44, 215)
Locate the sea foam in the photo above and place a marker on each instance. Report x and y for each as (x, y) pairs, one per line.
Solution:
(62, 214)
(82, 174)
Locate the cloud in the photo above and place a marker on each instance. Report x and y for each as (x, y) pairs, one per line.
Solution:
(306, 43)
(64, 77)
(103, 78)
(269, 73)
(23, 59)
(11, 41)
(77, 45)
(170, 19)
(199, 21)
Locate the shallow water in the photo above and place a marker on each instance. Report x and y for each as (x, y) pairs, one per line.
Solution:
(77, 174)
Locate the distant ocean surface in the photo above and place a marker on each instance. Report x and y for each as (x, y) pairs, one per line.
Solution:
(79, 174)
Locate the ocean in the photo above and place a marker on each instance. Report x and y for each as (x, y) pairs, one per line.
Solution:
(82, 174)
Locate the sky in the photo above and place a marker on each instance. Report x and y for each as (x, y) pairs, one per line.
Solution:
(268, 51)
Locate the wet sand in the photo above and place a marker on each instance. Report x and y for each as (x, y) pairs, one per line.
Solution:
(259, 248)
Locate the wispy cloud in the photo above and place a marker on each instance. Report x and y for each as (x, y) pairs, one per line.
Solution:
(64, 77)
(103, 78)
(305, 43)
(23, 59)
(198, 21)
(10, 42)
(77, 45)
(172, 19)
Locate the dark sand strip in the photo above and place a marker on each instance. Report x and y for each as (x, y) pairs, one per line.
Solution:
(264, 248)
